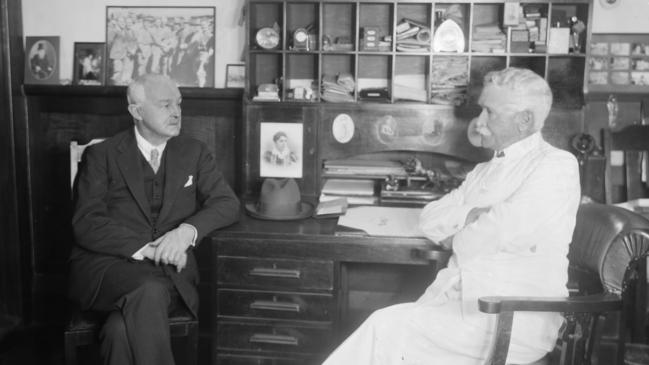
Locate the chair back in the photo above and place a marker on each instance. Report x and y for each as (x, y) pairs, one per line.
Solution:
(76, 152)
(608, 254)
(606, 240)
(627, 163)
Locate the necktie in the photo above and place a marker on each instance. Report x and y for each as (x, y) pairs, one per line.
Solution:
(155, 160)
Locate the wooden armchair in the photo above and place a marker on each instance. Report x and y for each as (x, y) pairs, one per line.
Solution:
(607, 275)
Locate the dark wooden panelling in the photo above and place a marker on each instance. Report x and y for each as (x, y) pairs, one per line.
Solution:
(11, 261)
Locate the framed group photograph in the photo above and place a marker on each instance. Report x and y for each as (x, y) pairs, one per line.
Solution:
(235, 76)
(174, 41)
(89, 58)
(42, 60)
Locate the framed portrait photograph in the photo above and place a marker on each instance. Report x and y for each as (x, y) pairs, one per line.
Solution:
(280, 150)
(89, 58)
(42, 60)
(174, 41)
(235, 76)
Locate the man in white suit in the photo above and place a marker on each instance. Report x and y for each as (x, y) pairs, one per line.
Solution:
(509, 225)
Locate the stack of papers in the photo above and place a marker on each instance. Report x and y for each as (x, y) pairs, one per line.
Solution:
(337, 89)
(384, 221)
(355, 192)
(413, 36)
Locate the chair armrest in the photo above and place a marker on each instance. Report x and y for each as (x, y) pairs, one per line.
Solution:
(585, 304)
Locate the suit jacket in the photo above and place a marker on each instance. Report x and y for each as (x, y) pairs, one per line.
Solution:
(112, 218)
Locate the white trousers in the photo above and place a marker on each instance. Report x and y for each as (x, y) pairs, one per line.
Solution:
(424, 334)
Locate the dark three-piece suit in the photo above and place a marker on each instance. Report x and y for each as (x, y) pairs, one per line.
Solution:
(122, 204)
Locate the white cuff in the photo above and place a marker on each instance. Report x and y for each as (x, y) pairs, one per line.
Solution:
(138, 254)
(193, 243)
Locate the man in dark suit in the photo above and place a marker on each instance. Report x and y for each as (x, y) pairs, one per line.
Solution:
(145, 197)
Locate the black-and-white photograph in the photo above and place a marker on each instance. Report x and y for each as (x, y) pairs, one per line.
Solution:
(280, 150)
(42, 60)
(235, 76)
(89, 66)
(173, 41)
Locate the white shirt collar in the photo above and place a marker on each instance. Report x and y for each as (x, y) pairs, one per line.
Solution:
(145, 146)
(521, 147)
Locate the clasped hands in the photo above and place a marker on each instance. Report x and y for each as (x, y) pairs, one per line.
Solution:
(473, 216)
(170, 248)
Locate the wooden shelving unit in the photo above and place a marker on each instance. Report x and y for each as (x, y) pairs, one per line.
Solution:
(343, 23)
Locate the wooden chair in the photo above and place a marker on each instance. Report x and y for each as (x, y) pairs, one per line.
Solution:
(607, 275)
(626, 163)
(83, 327)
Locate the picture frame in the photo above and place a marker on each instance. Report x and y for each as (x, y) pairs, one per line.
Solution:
(42, 59)
(235, 76)
(177, 41)
(89, 63)
(280, 149)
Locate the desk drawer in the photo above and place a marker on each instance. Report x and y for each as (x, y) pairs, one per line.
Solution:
(272, 337)
(283, 305)
(236, 359)
(274, 273)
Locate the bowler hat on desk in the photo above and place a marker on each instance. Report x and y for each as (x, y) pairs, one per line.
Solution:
(279, 200)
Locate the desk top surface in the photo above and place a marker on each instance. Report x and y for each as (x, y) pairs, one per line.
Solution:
(324, 238)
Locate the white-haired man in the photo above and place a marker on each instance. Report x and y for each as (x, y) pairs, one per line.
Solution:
(509, 225)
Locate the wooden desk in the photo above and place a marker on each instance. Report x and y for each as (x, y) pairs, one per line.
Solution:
(289, 292)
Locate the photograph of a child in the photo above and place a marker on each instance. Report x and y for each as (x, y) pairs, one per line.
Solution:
(89, 63)
(280, 150)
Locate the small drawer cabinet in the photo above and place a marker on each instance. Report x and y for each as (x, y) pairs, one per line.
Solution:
(290, 292)
(272, 309)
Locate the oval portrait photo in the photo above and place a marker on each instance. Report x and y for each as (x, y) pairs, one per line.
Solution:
(42, 60)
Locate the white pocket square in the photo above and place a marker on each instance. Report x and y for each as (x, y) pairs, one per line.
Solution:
(190, 181)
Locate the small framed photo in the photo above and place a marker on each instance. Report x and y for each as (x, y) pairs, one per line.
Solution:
(172, 40)
(620, 49)
(280, 147)
(599, 48)
(42, 60)
(620, 63)
(640, 78)
(598, 78)
(620, 78)
(235, 76)
(89, 58)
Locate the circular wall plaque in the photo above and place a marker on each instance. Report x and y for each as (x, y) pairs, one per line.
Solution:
(343, 128)
(606, 4)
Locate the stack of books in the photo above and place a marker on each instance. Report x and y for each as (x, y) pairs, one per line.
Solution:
(267, 92)
(533, 22)
(488, 38)
(338, 89)
(413, 36)
(449, 80)
(354, 191)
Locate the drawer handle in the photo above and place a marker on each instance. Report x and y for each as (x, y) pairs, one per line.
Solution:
(275, 273)
(275, 306)
(274, 339)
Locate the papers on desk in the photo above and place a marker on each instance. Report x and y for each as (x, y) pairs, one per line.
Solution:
(383, 221)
